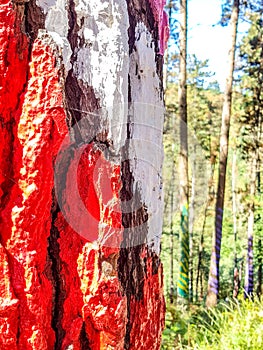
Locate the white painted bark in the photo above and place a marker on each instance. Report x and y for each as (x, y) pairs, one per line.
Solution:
(103, 62)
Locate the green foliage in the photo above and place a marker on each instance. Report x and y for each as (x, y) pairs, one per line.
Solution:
(245, 7)
(251, 86)
(231, 325)
(177, 328)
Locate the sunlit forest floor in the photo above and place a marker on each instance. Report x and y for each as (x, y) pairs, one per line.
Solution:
(232, 325)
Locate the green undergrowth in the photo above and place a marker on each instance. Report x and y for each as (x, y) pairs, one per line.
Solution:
(232, 325)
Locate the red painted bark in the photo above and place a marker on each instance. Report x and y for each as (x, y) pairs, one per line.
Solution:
(9, 100)
(39, 128)
(149, 309)
(98, 299)
(62, 289)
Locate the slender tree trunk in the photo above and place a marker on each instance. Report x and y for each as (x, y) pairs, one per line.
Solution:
(249, 279)
(171, 249)
(79, 228)
(255, 161)
(191, 227)
(202, 285)
(213, 282)
(259, 287)
(199, 262)
(183, 282)
(241, 270)
(236, 281)
(170, 6)
(209, 202)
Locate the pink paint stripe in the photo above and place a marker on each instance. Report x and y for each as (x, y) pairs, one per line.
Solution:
(162, 19)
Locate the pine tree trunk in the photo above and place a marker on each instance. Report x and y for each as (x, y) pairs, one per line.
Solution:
(171, 249)
(81, 108)
(213, 282)
(249, 278)
(209, 202)
(236, 284)
(259, 286)
(183, 282)
(191, 227)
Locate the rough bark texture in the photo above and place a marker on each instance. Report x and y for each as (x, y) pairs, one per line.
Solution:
(68, 279)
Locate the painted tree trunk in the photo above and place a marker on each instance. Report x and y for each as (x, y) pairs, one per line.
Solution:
(183, 281)
(209, 202)
(260, 268)
(259, 286)
(213, 282)
(249, 278)
(191, 226)
(236, 281)
(81, 109)
(172, 292)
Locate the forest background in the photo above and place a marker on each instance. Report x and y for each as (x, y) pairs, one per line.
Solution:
(213, 269)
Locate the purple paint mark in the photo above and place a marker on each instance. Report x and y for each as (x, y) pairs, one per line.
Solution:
(214, 290)
(214, 270)
(249, 283)
(214, 282)
(218, 241)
